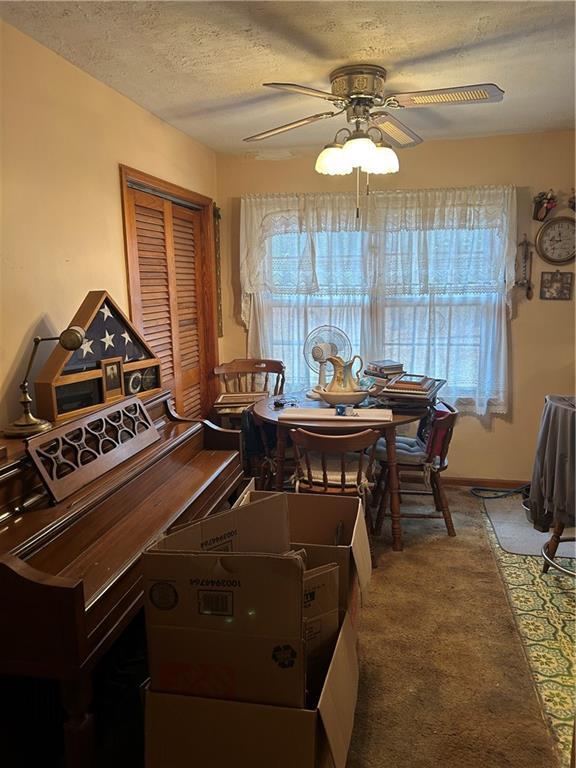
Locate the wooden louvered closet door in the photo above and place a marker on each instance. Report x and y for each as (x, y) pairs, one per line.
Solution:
(186, 228)
(168, 292)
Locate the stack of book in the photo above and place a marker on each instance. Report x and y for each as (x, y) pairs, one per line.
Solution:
(410, 391)
(381, 371)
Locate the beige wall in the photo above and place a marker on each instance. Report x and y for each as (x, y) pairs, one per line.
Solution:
(542, 332)
(63, 136)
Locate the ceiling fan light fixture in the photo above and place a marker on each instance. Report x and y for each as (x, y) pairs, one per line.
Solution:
(359, 150)
(384, 160)
(332, 161)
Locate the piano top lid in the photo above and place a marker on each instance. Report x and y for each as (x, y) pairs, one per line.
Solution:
(109, 333)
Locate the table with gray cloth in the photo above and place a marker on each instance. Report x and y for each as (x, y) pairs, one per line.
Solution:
(552, 488)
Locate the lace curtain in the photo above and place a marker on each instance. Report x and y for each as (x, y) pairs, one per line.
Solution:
(421, 276)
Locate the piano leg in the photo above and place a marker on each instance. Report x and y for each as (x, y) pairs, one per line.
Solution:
(79, 742)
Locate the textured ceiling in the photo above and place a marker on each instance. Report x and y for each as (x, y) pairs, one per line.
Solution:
(200, 65)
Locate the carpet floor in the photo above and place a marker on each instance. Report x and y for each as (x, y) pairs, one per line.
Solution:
(444, 675)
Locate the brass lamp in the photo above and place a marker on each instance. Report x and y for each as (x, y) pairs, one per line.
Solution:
(28, 424)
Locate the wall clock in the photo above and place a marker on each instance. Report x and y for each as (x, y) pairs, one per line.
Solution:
(555, 240)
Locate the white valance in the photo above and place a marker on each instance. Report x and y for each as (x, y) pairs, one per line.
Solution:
(409, 240)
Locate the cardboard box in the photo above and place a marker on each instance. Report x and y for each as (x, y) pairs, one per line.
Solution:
(233, 629)
(322, 621)
(258, 528)
(332, 530)
(185, 730)
(226, 624)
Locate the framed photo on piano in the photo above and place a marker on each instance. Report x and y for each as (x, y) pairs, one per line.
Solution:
(112, 379)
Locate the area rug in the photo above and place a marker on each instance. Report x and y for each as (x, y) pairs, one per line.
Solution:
(514, 531)
(545, 610)
(444, 677)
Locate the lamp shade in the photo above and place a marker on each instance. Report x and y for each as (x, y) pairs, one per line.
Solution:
(382, 160)
(359, 151)
(332, 161)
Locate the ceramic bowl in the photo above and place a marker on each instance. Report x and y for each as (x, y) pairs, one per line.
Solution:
(344, 398)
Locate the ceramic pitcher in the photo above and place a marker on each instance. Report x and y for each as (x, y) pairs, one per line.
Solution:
(344, 380)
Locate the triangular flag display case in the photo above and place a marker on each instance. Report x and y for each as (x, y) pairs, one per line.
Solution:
(113, 362)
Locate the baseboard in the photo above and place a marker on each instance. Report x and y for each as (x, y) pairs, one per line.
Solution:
(483, 482)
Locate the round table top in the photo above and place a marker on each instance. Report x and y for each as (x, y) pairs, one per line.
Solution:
(267, 411)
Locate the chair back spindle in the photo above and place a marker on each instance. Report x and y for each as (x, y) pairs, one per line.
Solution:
(246, 380)
(319, 457)
(252, 375)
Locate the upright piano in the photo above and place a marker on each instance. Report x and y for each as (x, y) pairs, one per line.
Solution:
(78, 505)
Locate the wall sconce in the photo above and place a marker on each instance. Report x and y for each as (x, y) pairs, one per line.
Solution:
(28, 424)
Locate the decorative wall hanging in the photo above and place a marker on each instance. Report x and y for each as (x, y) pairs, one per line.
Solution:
(556, 285)
(524, 268)
(112, 362)
(555, 240)
(544, 202)
(217, 218)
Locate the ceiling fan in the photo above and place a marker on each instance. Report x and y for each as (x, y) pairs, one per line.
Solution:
(358, 91)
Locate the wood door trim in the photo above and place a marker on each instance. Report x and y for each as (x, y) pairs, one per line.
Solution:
(128, 174)
(209, 308)
(131, 254)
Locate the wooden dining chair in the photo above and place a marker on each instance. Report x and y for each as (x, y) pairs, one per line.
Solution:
(335, 464)
(243, 382)
(266, 435)
(252, 375)
(425, 455)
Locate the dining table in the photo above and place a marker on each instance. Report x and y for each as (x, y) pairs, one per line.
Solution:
(270, 409)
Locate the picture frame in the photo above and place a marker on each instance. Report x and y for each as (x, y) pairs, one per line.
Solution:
(112, 378)
(556, 285)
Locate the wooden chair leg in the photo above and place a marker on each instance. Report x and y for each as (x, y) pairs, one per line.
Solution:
(435, 494)
(379, 487)
(552, 545)
(263, 479)
(441, 500)
(381, 509)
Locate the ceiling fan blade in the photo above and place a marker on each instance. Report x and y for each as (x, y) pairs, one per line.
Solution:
(461, 94)
(290, 126)
(304, 90)
(398, 134)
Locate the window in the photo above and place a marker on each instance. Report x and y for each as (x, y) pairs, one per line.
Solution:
(423, 279)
